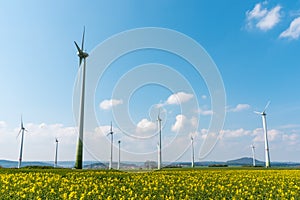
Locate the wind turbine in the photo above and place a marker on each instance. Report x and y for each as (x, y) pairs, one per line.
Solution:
(82, 56)
(253, 154)
(22, 130)
(193, 154)
(111, 146)
(264, 121)
(119, 159)
(159, 163)
(56, 151)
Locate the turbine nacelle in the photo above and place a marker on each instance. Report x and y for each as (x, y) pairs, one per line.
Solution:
(80, 52)
(22, 128)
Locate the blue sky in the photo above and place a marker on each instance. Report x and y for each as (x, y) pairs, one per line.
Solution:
(254, 44)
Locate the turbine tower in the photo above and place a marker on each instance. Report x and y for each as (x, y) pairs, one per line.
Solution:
(159, 163)
(111, 146)
(193, 154)
(264, 121)
(253, 154)
(22, 130)
(82, 56)
(119, 159)
(56, 151)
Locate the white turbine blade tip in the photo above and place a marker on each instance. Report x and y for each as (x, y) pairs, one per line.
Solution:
(18, 133)
(267, 105)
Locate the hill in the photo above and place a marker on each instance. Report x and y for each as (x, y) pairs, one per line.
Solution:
(245, 161)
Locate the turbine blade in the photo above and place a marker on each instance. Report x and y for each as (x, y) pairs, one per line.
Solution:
(82, 42)
(267, 106)
(259, 113)
(22, 122)
(78, 49)
(19, 133)
(80, 61)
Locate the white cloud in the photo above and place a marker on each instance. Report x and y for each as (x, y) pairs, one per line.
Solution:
(145, 126)
(184, 124)
(273, 135)
(257, 12)
(239, 108)
(290, 126)
(262, 18)
(291, 139)
(179, 98)
(235, 133)
(179, 124)
(39, 141)
(205, 112)
(108, 104)
(2, 124)
(204, 97)
(293, 32)
(270, 20)
(104, 130)
(204, 134)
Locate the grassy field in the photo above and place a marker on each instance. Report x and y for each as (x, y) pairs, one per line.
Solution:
(205, 183)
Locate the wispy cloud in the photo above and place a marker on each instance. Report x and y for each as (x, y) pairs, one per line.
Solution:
(108, 104)
(179, 98)
(204, 112)
(289, 126)
(262, 18)
(203, 97)
(235, 133)
(293, 32)
(2, 124)
(273, 135)
(239, 108)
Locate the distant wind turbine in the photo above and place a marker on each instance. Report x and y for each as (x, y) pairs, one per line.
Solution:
(253, 154)
(111, 146)
(22, 130)
(119, 159)
(159, 163)
(82, 56)
(193, 154)
(264, 121)
(56, 151)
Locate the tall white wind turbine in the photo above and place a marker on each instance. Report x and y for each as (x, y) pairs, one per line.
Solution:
(159, 163)
(193, 153)
(111, 146)
(119, 155)
(82, 56)
(253, 154)
(56, 152)
(22, 130)
(264, 121)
